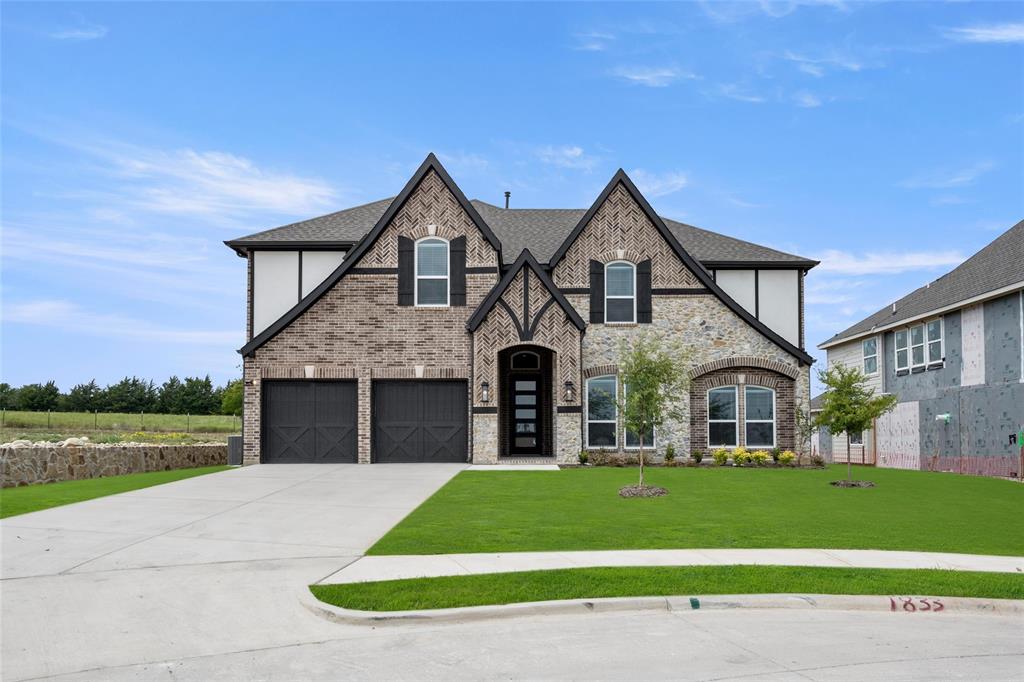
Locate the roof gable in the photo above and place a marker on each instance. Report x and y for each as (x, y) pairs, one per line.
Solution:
(431, 163)
(698, 270)
(525, 260)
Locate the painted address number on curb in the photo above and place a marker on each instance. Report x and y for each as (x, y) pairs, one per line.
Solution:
(907, 604)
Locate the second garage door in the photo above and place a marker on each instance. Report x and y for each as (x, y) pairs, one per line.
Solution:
(420, 421)
(309, 421)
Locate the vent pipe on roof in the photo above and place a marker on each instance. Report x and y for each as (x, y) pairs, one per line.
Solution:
(507, 195)
(893, 308)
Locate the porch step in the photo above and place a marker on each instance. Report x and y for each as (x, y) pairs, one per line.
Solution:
(526, 460)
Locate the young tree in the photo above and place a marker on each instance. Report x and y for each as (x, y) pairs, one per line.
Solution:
(849, 405)
(655, 379)
(231, 398)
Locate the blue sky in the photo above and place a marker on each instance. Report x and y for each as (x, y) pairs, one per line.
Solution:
(886, 140)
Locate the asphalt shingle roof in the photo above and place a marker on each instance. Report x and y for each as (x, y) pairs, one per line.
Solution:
(998, 265)
(542, 230)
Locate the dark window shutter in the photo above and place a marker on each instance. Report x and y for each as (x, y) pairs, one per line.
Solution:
(596, 292)
(457, 270)
(643, 292)
(406, 274)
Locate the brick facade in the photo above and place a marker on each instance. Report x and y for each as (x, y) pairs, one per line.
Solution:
(785, 403)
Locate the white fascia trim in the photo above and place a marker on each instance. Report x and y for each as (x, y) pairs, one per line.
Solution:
(995, 293)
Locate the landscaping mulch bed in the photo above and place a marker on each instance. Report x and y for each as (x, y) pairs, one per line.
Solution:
(853, 484)
(642, 491)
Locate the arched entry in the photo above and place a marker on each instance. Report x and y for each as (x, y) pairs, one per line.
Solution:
(526, 401)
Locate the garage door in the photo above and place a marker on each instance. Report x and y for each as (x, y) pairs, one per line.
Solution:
(309, 421)
(419, 421)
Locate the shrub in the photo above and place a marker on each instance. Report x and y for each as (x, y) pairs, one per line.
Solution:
(584, 456)
(758, 457)
(817, 460)
(605, 458)
(740, 456)
(670, 453)
(697, 456)
(776, 453)
(721, 456)
(787, 458)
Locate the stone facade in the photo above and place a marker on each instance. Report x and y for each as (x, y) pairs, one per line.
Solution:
(49, 464)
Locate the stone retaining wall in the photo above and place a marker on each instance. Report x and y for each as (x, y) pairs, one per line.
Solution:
(49, 464)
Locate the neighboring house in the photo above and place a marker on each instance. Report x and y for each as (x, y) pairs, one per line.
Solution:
(427, 327)
(953, 352)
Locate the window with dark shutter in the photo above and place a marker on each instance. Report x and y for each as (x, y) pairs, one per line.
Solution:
(596, 292)
(406, 274)
(457, 270)
(643, 292)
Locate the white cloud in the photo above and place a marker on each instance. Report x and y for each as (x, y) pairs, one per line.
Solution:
(658, 184)
(947, 178)
(653, 76)
(70, 317)
(729, 11)
(948, 200)
(816, 66)
(463, 161)
(733, 91)
(592, 41)
(566, 156)
(1012, 32)
(82, 32)
(877, 263)
(807, 100)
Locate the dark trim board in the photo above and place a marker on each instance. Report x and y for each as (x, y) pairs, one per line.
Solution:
(481, 270)
(760, 265)
(680, 291)
(569, 409)
(242, 247)
(431, 163)
(485, 409)
(373, 271)
(575, 290)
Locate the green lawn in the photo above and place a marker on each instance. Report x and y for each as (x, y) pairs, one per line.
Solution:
(593, 583)
(30, 498)
(578, 509)
(60, 422)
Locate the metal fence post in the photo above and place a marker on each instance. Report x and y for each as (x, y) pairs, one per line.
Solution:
(96, 419)
(188, 422)
(142, 420)
(47, 419)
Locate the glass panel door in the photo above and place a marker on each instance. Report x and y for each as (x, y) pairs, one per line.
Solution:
(525, 417)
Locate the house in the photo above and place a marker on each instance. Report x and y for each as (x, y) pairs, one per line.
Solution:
(427, 328)
(953, 353)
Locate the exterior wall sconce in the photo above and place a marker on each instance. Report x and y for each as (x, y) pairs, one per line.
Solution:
(570, 392)
(485, 392)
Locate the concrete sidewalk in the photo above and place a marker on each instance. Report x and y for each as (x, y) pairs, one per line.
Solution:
(372, 568)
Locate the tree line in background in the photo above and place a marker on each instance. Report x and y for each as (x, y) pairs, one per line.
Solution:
(193, 395)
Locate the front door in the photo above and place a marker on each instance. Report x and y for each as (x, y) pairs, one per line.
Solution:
(525, 399)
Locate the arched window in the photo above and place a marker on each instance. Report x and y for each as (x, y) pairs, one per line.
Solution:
(620, 292)
(525, 359)
(722, 431)
(432, 272)
(602, 412)
(759, 417)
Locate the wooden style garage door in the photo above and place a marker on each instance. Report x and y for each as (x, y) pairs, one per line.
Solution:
(420, 421)
(309, 421)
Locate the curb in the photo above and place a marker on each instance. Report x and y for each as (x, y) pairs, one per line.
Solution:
(922, 607)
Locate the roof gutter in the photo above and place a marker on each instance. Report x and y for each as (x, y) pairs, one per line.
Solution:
(995, 293)
(242, 247)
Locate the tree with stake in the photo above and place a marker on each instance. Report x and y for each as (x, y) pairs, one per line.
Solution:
(849, 405)
(654, 379)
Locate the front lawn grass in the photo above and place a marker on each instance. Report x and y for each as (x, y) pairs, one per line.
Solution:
(30, 498)
(593, 583)
(580, 509)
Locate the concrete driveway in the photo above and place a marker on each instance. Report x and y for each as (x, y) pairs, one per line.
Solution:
(200, 566)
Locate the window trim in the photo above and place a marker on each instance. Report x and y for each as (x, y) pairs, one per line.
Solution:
(447, 277)
(586, 413)
(735, 421)
(924, 345)
(860, 440)
(532, 354)
(625, 432)
(865, 357)
(773, 420)
(607, 296)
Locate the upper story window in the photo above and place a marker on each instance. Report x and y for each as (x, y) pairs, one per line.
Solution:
(620, 292)
(759, 419)
(918, 345)
(432, 272)
(602, 412)
(722, 413)
(870, 348)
